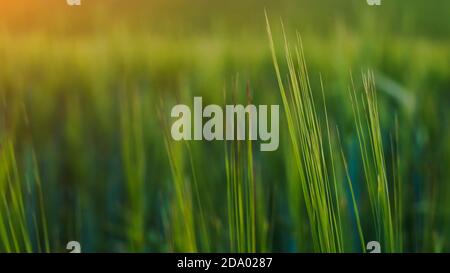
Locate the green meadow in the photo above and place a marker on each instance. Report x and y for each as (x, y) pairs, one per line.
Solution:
(86, 152)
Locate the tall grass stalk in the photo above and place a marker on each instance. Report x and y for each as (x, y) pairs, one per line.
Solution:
(367, 122)
(241, 192)
(183, 192)
(318, 185)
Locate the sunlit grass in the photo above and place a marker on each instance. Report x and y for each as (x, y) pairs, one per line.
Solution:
(348, 170)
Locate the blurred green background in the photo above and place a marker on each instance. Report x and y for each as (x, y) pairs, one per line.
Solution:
(85, 99)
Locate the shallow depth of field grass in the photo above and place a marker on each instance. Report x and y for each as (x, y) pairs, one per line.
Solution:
(86, 152)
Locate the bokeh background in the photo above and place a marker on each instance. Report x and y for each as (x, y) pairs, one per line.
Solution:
(85, 99)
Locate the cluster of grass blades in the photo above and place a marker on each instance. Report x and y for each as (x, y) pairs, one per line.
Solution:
(243, 227)
(387, 217)
(241, 197)
(248, 205)
(318, 186)
(314, 156)
(181, 210)
(241, 193)
(23, 222)
(186, 217)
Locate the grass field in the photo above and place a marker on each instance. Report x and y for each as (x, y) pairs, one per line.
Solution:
(86, 152)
